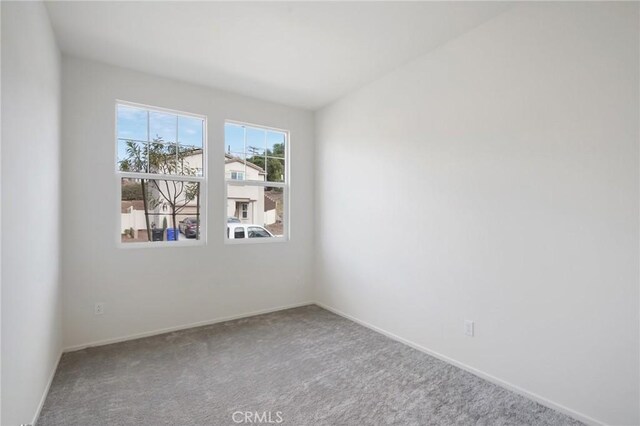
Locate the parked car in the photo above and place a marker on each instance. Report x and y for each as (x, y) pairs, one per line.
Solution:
(232, 219)
(242, 230)
(189, 227)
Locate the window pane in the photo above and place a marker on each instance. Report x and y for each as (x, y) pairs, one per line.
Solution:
(275, 169)
(250, 170)
(159, 210)
(258, 152)
(162, 126)
(275, 144)
(256, 141)
(276, 156)
(256, 206)
(190, 131)
(190, 160)
(163, 159)
(132, 156)
(132, 123)
(274, 211)
(234, 140)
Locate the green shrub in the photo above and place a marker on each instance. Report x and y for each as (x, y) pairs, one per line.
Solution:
(131, 191)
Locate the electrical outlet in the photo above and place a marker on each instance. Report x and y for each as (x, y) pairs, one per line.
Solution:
(468, 328)
(98, 308)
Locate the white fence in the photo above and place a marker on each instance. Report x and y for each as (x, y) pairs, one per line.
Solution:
(270, 217)
(133, 219)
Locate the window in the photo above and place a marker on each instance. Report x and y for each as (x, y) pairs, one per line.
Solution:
(160, 166)
(237, 175)
(256, 164)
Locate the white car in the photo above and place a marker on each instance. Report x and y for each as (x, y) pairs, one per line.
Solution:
(242, 230)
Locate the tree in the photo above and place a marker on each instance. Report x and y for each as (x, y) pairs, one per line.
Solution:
(170, 160)
(275, 167)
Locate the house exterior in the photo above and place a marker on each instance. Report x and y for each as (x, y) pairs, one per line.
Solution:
(245, 203)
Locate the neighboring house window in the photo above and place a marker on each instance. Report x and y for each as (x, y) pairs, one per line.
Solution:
(237, 175)
(256, 164)
(161, 170)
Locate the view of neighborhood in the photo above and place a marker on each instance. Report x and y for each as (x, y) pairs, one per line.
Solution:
(255, 154)
(171, 202)
(172, 146)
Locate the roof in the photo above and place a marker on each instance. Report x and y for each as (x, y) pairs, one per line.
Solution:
(269, 204)
(275, 196)
(271, 199)
(228, 158)
(194, 151)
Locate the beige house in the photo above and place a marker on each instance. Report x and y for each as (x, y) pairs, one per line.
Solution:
(246, 203)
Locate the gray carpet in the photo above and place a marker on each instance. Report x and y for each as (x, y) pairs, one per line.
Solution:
(312, 366)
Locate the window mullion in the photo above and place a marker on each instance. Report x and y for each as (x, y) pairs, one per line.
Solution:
(266, 166)
(160, 176)
(148, 143)
(244, 149)
(176, 144)
(255, 183)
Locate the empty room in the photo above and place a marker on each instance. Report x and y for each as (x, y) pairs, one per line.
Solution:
(320, 213)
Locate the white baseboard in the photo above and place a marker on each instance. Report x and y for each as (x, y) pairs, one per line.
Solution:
(46, 390)
(502, 383)
(181, 327)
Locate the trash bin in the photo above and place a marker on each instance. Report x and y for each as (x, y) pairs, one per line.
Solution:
(172, 235)
(157, 234)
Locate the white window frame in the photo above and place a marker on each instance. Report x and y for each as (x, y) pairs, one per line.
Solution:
(284, 185)
(202, 179)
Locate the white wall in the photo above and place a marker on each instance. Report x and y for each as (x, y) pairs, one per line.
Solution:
(155, 288)
(31, 318)
(513, 150)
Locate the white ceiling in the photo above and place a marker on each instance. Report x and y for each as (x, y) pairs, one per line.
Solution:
(304, 54)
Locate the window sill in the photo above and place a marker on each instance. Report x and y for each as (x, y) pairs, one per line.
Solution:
(162, 244)
(248, 241)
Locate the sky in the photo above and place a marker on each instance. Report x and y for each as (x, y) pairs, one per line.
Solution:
(259, 139)
(133, 123)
